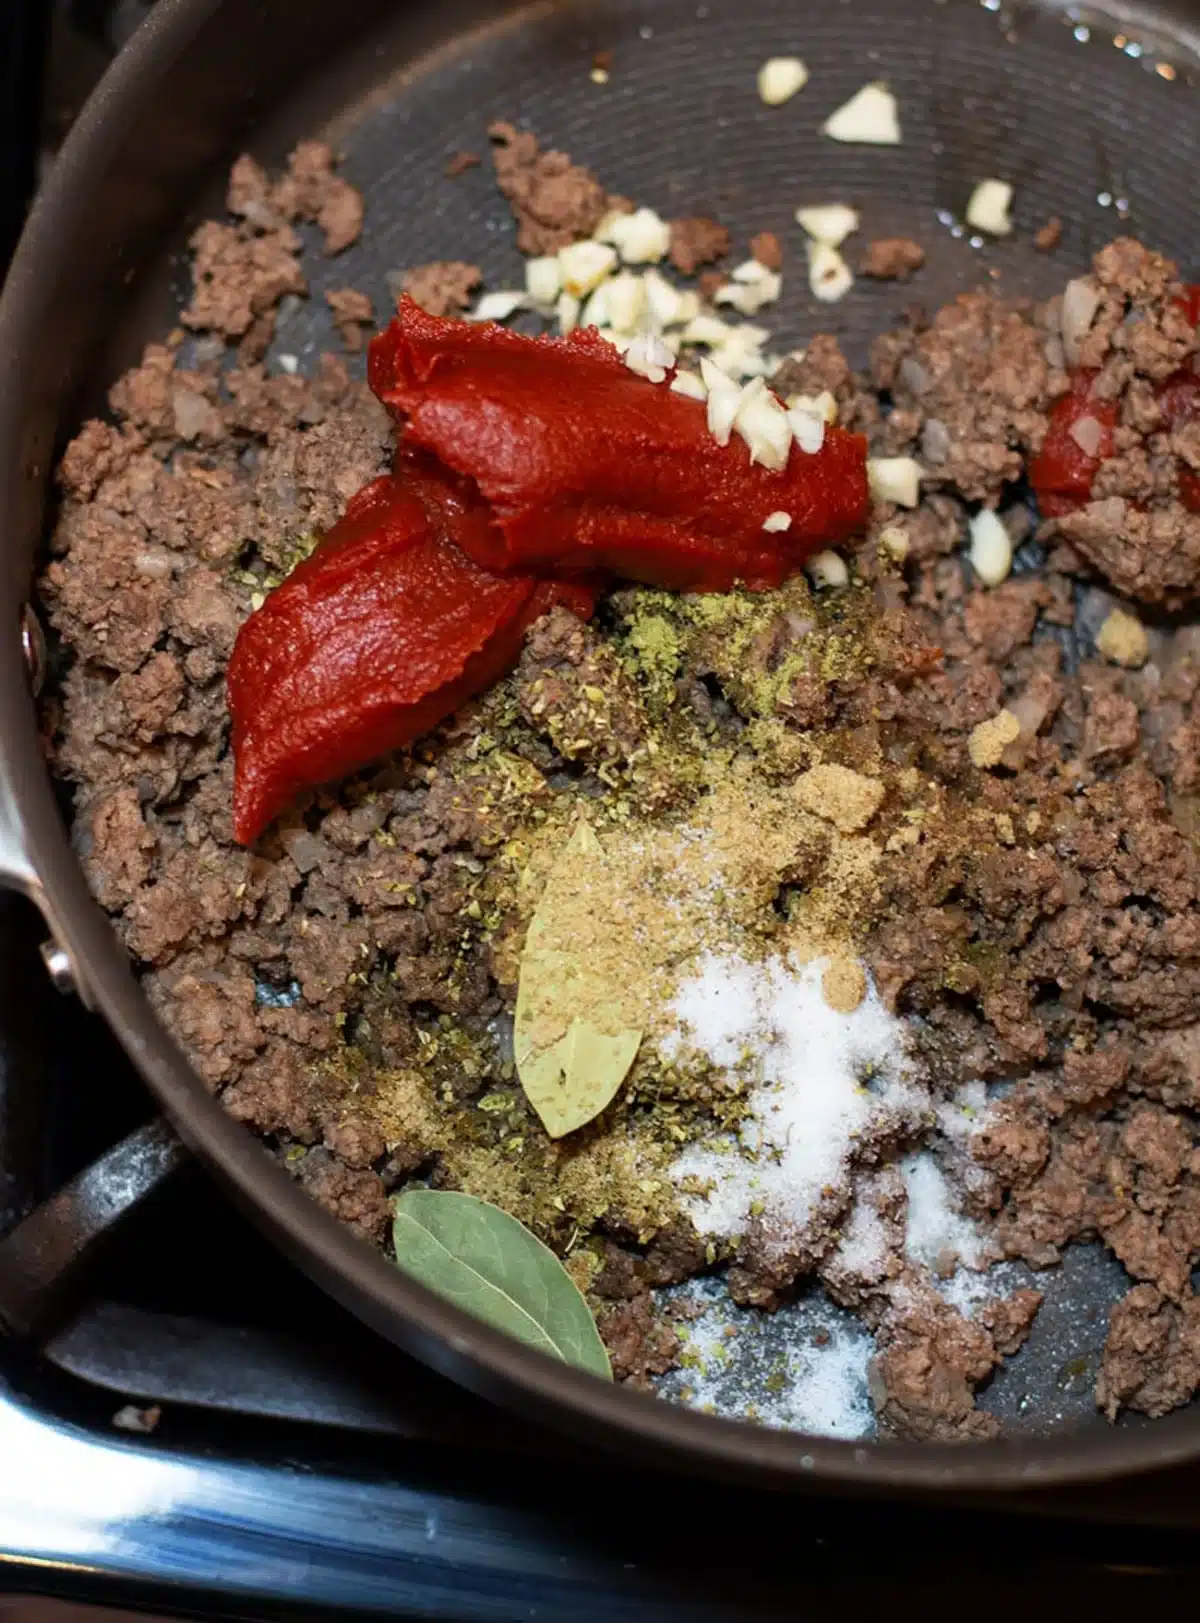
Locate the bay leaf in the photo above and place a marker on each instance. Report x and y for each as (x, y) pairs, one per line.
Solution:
(485, 1262)
(573, 1048)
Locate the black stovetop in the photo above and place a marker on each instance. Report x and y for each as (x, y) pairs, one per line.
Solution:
(301, 1464)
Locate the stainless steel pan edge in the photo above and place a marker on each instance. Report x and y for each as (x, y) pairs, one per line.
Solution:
(169, 106)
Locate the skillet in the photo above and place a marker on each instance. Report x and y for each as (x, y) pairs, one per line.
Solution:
(1093, 120)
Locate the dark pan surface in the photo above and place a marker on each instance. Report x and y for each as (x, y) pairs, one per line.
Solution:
(1103, 135)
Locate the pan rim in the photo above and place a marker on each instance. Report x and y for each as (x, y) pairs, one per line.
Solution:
(404, 1312)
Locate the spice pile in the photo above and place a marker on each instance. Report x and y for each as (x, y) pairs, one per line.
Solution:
(867, 906)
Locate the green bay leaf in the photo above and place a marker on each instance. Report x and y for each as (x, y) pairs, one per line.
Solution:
(572, 1047)
(485, 1262)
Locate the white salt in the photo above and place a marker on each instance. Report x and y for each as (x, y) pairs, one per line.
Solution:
(962, 1114)
(863, 1245)
(801, 1369)
(810, 1100)
(967, 1289)
(935, 1225)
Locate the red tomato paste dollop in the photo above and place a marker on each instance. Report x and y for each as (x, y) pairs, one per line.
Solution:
(586, 464)
(383, 632)
(528, 470)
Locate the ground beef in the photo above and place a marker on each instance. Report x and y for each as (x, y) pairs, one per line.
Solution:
(767, 249)
(310, 189)
(355, 1198)
(1041, 914)
(1135, 531)
(461, 162)
(970, 393)
(641, 1341)
(892, 259)
(554, 201)
(443, 288)
(352, 312)
(697, 241)
(1151, 555)
(572, 689)
(1048, 236)
(239, 279)
(821, 366)
(1152, 1356)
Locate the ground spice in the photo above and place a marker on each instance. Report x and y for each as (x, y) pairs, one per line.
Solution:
(844, 984)
(990, 739)
(1122, 638)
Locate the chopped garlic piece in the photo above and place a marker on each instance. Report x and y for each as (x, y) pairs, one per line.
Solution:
(595, 311)
(688, 309)
(666, 304)
(827, 569)
(988, 208)
(894, 541)
(498, 306)
(821, 405)
(828, 222)
(894, 479)
(991, 547)
(626, 300)
(704, 329)
(650, 357)
(808, 429)
(780, 79)
(748, 292)
(689, 384)
(639, 237)
(741, 355)
(829, 276)
(777, 521)
(567, 310)
(599, 76)
(752, 272)
(762, 422)
(543, 279)
(870, 117)
(584, 265)
(600, 234)
(724, 398)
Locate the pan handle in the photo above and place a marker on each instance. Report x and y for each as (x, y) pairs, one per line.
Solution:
(17, 871)
(41, 1258)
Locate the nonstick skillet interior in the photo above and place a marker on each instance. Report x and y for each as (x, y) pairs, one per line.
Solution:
(1103, 135)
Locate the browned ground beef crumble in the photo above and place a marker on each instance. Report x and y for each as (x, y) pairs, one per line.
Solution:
(1056, 955)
